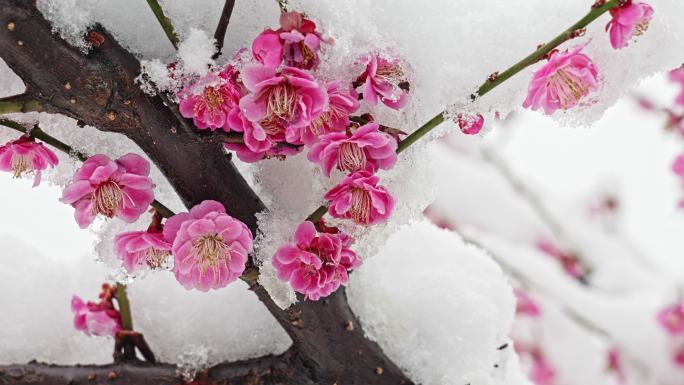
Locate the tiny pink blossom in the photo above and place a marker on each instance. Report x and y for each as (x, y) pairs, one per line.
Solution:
(384, 79)
(93, 319)
(679, 356)
(367, 149)
(296, 43)
(677, 75)
(113, 188)
(616, 365)
(281, 103)
(316, 265)
(671, 318)
(359, 198)
(568, 261)
(525, 304)
(25, 155)
(210, 247)
(142, 249)
(629, 20)
(542, 373)
(563, 82)
(335, 118)
(470, 124)
(209, 99)
(678, 166)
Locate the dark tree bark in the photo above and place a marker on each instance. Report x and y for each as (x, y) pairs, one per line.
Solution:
(329, 346)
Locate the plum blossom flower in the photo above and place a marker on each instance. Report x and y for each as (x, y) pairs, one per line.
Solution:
(616, 365)
(140, 249)
(568, 261)
(296, 43)
(525, 304)
(629, 20)
(25, 155)
(113, 188)
(316, 265)
(209, 99)
(359, 198)
(563, 82)
(679, 356)
(335, 118)
(384, 79)
(677, 75)
(671, 318)
(470, 124)
(542, 372)
(257, 143)
(281, 103)
(95, 319)
(367, 149)
(210, 247)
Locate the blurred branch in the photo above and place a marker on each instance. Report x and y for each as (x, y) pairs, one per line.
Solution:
(222, 27)
(164, 21)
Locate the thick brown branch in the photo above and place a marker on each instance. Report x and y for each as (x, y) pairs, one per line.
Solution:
(222, 27)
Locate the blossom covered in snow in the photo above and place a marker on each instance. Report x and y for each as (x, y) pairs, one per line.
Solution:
(470, 124)
(210, 247)
(95, 319)
(563, 82)
(671, 318)
(315, 264)
(384, 79)
(114, 188)
(335, 118)
(629, 20)
(209, 99)
(140, 249)
(525, 304)
(296, 43)
(281, 103)
(359, 198)
(677, 76)
(367, 149)
(25, 155)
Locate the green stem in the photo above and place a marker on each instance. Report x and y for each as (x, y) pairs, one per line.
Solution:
(283, 5)
(124, 307)
(19, 103)
(490, 84)
(164, 21)
(37, 133)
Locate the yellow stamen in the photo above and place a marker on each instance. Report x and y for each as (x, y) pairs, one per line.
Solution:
(22, 164)
(209, 250)
(351, 157)
(107, 199)
(360, 206)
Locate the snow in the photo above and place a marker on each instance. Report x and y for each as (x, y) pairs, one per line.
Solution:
(195, 52)
(437, 307)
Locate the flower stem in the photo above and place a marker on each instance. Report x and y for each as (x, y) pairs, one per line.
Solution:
(124, 307)
(596, 11)
(37, 133)
(164, 21)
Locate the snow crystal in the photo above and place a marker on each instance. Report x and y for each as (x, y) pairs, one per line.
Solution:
(195, 52)
(437, 307)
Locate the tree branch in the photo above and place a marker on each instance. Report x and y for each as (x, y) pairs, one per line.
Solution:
(222, 27)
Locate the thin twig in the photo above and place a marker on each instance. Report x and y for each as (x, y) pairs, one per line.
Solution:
(164, 21)
(222, 27)
(19, 103)
(37, 133)
(494, 82)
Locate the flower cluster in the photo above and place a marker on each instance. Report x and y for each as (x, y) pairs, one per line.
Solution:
(97, 319)
(671, 319)
(25, 155)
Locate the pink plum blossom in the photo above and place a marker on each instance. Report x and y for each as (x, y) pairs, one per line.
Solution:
(296, 43)
(616, 365)
(677, 75)
(359, 198)
(209, 99)
(367, 149)
(257, 143)
(113, 188)
(95, 319)
(140, 249)
(281, 103)
(470, 124)
(679, 356)
(315, 264)
(542, 372)
(671, 318)
(525, 304)
(25, 155)
(210, 247)
(568, 261)
(384, 79)
(335, 118)
(629, 20)
(563, 82)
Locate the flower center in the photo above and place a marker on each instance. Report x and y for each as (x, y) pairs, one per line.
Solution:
(209, 249)
(308, 56)
(351, 157)
(360, 206)
(641, 27)
(212, 98)
(569, 89)
(22, 163)
(282, 102)
(155, 258)
(390, 73)
(272, 125)
(107, 198)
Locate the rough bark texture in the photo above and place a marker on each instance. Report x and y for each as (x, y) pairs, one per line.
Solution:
(102, 93)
